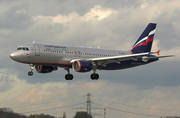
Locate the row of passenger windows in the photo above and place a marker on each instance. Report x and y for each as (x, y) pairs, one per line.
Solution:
(23, 48)
(78, 53)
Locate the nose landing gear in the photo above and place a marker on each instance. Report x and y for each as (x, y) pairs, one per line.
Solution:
(30, 73)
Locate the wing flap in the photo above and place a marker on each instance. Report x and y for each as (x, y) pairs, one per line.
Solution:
(118, 58)
(103, 61)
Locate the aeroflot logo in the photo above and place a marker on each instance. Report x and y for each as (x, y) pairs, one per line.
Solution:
(150, 35)
(52, 46)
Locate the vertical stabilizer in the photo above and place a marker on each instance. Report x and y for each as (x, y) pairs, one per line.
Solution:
(144, 43)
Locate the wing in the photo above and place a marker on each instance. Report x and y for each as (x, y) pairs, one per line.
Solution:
(103, 61)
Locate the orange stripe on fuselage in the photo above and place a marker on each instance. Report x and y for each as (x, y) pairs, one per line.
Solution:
(48, 63)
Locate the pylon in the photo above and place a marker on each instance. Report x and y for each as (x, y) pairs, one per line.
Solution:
(88, 103)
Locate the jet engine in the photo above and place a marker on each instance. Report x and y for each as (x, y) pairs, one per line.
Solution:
(45, 69)
(82, 66)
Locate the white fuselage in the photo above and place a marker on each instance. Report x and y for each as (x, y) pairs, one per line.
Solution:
(48, 54)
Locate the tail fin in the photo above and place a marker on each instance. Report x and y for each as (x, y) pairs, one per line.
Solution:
(144, 43)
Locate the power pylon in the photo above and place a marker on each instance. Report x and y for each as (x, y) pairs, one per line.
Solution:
(88, 109)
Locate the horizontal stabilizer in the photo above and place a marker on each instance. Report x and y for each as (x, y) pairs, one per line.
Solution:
(165, 56)
(156, 57)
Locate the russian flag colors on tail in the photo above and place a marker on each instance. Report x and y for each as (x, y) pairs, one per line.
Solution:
(144, 43)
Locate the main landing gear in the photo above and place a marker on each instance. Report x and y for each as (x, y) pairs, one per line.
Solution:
(68, 76)
(30, 73)
(94, 76)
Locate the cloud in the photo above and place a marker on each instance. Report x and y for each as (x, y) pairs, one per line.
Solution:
(34, 95)
(97, 13)
(107, 93)
(6, 82)
(108, 24)
(106, 27)
(15, 18)
(144, 5)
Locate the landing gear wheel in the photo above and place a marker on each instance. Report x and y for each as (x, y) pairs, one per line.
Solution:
(94, 76)
(30, 73)
(69, 77)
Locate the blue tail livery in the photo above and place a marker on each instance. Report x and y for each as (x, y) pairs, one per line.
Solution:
(144, 43)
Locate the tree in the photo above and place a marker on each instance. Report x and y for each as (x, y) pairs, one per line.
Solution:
(8, 113)
(9, 110)
(82, 114)
(64, 115)
(40, 116)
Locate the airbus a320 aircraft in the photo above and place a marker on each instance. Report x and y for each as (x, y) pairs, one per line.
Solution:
(47, 57)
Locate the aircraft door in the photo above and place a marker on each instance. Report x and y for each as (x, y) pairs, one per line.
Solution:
(37, 50)
(75, 53)
(79, 53)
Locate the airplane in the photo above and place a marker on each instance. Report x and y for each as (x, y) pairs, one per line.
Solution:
(46, 58)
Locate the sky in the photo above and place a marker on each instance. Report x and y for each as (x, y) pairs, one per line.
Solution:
(147, 91)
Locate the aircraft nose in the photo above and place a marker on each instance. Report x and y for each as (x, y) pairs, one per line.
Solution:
(14, 56)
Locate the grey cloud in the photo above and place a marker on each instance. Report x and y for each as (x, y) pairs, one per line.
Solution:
(6, 83)
(113, 31)
(15, 17)
(159, 73)
(141, 86)
(67, 6)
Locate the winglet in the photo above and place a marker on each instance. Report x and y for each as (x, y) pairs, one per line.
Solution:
(158, 52)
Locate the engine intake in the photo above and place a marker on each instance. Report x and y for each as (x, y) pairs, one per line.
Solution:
(45, 69)
(82, 66)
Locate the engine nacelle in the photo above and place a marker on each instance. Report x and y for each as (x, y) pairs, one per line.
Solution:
(82, 66)
(45, 69)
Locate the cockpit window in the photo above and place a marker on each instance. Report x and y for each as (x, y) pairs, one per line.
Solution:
(19, 48)
(23, 48)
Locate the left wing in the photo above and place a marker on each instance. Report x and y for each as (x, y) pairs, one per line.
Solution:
(103, 61)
